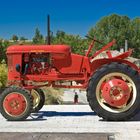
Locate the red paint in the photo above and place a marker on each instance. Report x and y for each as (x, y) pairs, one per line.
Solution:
(52, 63)
(109, 54)
(105, 48)
(62, 49)
(90, 47)
(116, 92)
(14, 104)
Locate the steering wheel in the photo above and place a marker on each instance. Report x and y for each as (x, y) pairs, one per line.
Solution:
(93, 38)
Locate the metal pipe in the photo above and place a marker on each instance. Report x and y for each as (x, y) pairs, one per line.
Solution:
(48, 30)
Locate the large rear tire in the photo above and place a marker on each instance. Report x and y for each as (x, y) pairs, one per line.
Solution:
(15, 103)
(114, 92)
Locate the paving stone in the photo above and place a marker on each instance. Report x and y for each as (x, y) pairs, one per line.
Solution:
(54, 136)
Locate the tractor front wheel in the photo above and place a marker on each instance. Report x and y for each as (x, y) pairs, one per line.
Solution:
(38, 99)
(15, 103)
(114, 92)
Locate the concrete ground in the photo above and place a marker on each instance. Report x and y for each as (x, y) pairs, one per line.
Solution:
(73, 119)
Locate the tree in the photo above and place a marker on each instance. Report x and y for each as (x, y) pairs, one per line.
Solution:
(38, 37)
(22, 38)
(120, 28)
(77, 44)
(15, 38)
(135, 36)
(112, 27)
(3, 46)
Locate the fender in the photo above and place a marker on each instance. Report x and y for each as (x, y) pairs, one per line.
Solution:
(96, 64)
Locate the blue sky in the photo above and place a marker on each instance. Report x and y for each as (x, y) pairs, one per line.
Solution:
(21, 17)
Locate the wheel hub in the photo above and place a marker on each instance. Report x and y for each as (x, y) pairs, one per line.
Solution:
(15, 104)
(116, 92)
(36, 98)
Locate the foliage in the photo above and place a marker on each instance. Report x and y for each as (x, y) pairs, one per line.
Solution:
(3, 45)
(111, 27)
(15, 38)
(135, 36)
(38, 37)
(120, 28)
(3, 75)
(22, 38)
(53, 96)
(78, 45)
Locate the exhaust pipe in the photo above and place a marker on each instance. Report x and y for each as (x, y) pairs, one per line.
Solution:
(48, 31)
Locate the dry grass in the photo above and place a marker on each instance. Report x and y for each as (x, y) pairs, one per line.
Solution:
(53, 95)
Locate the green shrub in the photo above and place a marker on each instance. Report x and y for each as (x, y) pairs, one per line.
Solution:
(53, 96)
(3, 75)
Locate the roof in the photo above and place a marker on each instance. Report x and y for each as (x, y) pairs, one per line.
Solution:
(39, 48)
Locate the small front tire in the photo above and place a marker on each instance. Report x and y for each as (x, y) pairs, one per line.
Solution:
(15, 103)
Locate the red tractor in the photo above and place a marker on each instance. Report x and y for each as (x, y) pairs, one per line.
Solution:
(112, 83)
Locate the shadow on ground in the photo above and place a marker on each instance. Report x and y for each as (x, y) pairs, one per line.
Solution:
(42, 114)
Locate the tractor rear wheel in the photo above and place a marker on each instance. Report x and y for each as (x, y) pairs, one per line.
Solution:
(38, 99)
(15, 103)
(114, 92)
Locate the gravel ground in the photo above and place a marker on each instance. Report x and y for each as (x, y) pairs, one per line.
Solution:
(73, 118)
